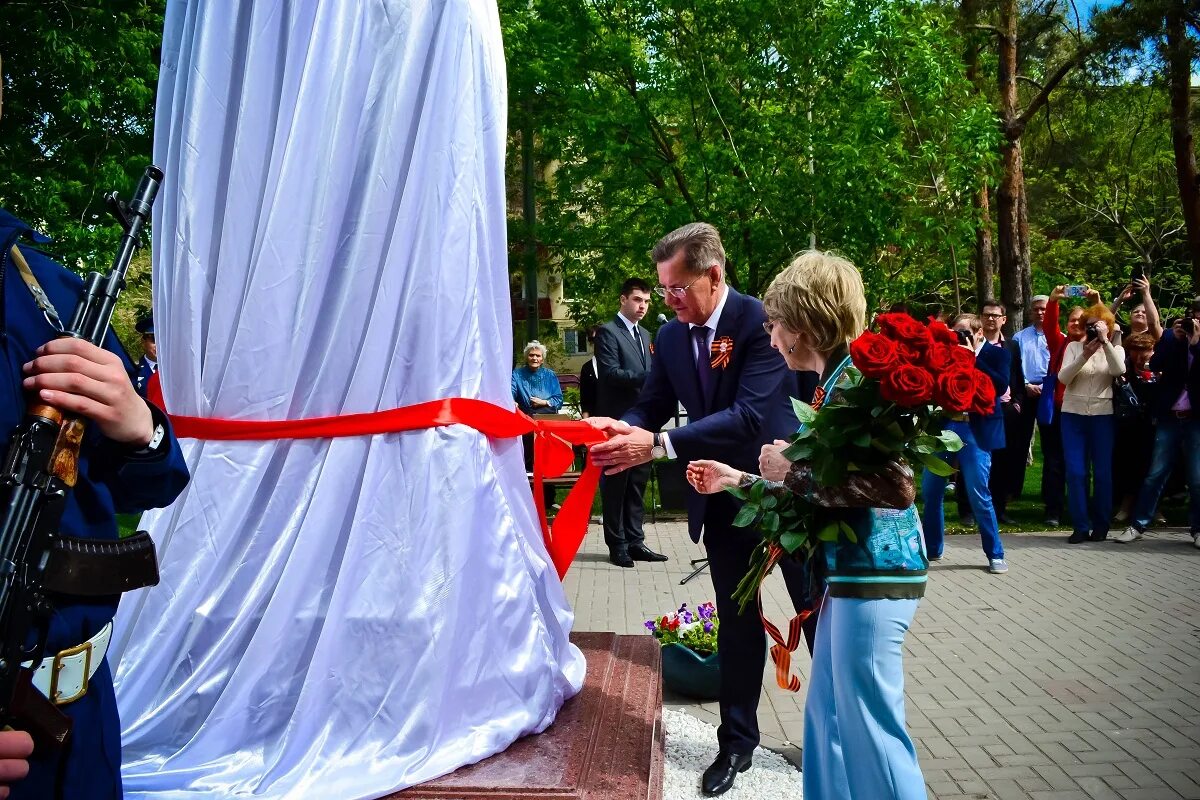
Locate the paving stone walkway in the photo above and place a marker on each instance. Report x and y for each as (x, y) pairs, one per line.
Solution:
(1074, 676)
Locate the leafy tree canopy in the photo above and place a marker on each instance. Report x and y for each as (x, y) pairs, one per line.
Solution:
(848, 120)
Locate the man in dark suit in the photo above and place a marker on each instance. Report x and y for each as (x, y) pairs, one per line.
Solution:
(622, 362)
(716, 359)
(980, 434)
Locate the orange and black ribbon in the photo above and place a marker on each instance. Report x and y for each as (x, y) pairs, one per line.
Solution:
(722, 352)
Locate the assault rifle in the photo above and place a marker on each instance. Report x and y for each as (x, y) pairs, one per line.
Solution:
(40, 468)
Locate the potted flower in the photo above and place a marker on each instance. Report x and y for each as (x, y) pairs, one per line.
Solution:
(691, 665)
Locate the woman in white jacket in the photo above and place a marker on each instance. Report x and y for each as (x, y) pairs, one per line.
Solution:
(1087, 372)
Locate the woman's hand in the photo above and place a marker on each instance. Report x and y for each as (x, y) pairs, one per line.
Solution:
(1059, 294)
(1142, 286)
(1092, 296)
(772, 464)
(710, 477)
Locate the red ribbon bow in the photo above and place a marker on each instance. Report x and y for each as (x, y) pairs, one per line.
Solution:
(553, 451)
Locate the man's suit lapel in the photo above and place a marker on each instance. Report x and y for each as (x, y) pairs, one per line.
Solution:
(729, 325)
(628, 342)
(687, 382)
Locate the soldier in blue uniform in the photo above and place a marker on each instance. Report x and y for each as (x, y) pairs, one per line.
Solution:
(130, 462)
(149, 363)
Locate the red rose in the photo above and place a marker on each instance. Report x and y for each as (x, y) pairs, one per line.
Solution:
(904, 329)
(873, 354)
(955, 389)
(940, 333)
(939, 357)
(962, 357)
(984, 401)
(907, 385)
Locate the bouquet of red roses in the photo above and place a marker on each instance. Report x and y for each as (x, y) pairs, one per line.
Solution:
(905, 382)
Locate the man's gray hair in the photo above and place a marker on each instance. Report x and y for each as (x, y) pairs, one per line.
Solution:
(1038, 297)
(535, 345)
(700, 242)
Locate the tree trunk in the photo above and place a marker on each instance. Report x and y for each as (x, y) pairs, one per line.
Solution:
(985, 263)
(1012, 224)
(1179, 61)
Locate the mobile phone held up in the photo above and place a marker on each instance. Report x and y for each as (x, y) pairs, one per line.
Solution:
(1136, 274)
(1076, 290)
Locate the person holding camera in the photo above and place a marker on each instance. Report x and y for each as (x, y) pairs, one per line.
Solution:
(1176, 359)
(1088, 369)
(1144, 316)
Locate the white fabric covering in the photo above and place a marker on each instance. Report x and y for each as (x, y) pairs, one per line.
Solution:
(338, 618)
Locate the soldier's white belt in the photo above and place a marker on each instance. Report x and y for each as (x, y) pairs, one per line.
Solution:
(64, 677)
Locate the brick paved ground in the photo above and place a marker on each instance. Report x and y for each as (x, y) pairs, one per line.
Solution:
(1076, 675)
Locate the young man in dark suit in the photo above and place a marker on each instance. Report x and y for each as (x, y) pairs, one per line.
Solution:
(716, 359)
(622, 362)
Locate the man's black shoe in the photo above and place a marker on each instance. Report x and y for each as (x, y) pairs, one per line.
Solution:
(620, 558)
(1004, 519)
(643, 553)
(718, 778)
(1077, 537)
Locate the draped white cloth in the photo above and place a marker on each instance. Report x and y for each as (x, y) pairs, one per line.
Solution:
(336, 618)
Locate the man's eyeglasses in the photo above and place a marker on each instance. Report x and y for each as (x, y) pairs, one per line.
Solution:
(676, 291)
(993, 316)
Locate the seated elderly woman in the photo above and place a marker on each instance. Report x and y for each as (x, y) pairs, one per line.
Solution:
(1087, 372)
(855, 740)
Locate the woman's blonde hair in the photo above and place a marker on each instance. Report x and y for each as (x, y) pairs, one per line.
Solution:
(821, 295)
(1098, 312)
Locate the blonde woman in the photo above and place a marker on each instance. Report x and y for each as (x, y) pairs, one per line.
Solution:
(855, 740)
(1087, 372)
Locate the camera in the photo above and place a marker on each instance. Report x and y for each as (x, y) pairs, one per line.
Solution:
(964, 338)
(1093, 331)
(1189, 325)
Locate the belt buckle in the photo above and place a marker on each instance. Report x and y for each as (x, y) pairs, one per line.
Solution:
(57, 665)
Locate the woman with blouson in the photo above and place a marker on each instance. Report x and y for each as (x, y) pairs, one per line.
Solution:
(856, 744)
(1087, 372)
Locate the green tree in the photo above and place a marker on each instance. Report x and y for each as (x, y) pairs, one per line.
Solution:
(850, 125)
(79, 81)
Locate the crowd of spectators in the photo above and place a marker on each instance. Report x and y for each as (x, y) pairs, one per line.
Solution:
(1112, 402)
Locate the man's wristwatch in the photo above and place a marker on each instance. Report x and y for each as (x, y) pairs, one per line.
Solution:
(658, 452)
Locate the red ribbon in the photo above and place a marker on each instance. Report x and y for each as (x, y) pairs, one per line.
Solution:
(552, 449)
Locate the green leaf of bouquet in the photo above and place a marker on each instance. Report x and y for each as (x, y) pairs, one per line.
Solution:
(746, 516)
(863, 439)
(768, 501)
(848, 531)
(950, 441)
(792, 541)
(738, 492)
(935, 465)
(801, 450)
(804, 412)
(829, 533)
(770, 522)
(756, 491)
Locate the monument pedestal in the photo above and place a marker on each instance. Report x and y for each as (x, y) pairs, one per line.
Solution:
(607, 741)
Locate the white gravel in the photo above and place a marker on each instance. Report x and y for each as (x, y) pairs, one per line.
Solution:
(691, 747)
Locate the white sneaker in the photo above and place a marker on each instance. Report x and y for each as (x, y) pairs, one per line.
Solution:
(997, 566)
(1130, 534)
(1196, 539)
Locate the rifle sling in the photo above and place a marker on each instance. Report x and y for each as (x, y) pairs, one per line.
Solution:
(35, 288)
(91, 568)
